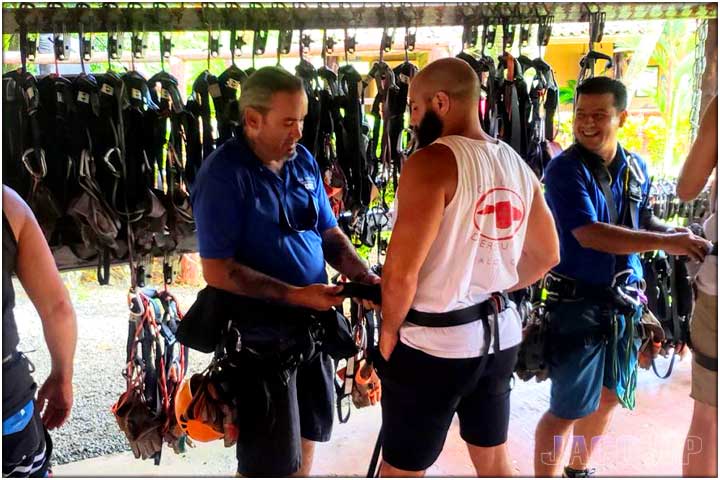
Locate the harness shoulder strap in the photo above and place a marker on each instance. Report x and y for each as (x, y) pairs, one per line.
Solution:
(632, 192)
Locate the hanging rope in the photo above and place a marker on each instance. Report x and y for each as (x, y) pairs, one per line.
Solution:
(701, 30)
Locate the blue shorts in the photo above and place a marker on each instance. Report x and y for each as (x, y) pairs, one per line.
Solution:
(26, 445)
(581, 358)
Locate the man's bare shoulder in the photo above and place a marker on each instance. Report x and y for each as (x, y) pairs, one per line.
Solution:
(15, 209)
(436, 159)
(432, 168)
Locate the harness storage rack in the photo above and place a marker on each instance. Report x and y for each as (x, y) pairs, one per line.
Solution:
(107, 160)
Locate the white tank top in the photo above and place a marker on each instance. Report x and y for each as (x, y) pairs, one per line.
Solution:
(477, 248)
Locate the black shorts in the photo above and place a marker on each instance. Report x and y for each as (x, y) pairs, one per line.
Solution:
(273, 417)
(27, 452)
(421, 393)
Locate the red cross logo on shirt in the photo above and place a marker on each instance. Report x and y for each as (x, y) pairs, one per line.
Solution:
(499, 214)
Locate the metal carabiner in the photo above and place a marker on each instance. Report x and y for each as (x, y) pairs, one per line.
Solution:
(135, 302)
(619, 275)
(43, 166)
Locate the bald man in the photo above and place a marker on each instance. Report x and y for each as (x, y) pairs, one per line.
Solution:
(449, 337)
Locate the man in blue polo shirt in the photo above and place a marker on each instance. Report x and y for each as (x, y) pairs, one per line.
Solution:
(592, 369)
(265, 230)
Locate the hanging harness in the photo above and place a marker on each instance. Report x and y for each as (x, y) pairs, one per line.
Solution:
(226, 104)
(156, 366)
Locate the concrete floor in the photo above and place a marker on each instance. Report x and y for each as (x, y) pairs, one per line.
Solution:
(645, 442)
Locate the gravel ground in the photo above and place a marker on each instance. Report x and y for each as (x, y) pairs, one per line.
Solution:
(102, 315)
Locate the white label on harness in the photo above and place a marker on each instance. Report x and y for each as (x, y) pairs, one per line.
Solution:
(107, 89)
(404, 78)
(60, 97)
(232, 83)
(165, 94)
(136, 94)
(30, 93)
(83, 97)
(214, 90)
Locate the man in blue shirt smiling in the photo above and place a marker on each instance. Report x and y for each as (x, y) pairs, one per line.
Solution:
(265, 230)
(598, 194)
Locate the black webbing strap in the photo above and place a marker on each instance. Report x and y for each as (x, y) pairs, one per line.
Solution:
(705, 361)
(311, 130)
(669, 370)
(674, 303)
(353, 159)
(205, 86)
(226, 106)
(373, 467)
(496, 303)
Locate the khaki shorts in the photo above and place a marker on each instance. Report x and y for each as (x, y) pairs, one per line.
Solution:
(703, 333)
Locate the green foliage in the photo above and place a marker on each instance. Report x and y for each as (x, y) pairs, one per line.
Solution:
(675, 57)
(567, 93)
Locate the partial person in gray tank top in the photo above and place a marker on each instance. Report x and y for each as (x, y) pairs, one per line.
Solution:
(698, 168)
(27, 447)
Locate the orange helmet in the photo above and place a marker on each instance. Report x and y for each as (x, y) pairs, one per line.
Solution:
(194, 428)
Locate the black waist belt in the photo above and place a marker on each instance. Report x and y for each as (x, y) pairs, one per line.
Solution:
(495, 304)
(564, 288)
(705, 361)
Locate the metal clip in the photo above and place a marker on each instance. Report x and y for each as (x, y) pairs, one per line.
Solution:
(489, 35)
(140, 276)
(237, 43)
(285, 41)
(350, 43)
(137, 44)
(410, 38)
(508, 35)
(524, 35)
(597, 26)
(305, 42)
(470, 36)
(167, 272)
(86, 49)
(29, 44)
(387, 40)
(545, 31)
(165, 44)
(114, 45)
(214, 43)
(60, 48)
(330, 45)
(260, 42)
(85, 40)
(137, 37)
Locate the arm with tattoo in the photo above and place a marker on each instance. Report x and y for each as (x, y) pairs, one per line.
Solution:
(227, 274)
(341, 255)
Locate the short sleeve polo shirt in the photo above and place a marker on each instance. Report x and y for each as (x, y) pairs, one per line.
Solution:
(576, 200)
(237, 204)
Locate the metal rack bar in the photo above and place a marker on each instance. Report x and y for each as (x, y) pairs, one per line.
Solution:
(192, 17)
